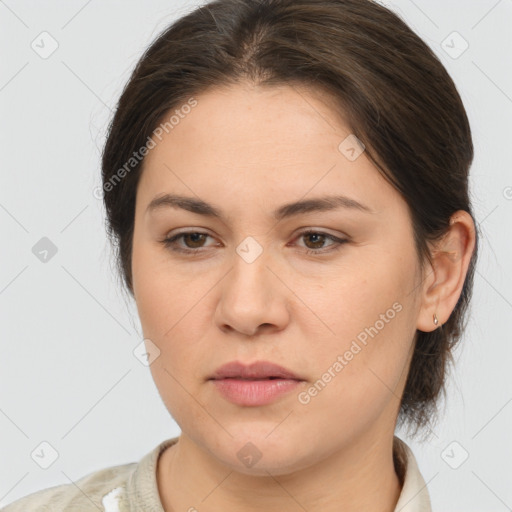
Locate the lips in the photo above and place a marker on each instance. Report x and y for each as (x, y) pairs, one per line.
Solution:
(256, 385)
(260, 370)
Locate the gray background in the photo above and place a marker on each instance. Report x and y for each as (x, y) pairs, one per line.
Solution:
(68, 375)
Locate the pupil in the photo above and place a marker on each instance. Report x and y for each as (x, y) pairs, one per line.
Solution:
(316, 236)
(195, 236)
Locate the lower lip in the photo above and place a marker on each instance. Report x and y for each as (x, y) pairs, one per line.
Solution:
(254, 392)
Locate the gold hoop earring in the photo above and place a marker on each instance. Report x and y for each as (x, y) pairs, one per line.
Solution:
(436, 321)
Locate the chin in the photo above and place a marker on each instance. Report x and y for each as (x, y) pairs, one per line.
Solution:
(258, 454)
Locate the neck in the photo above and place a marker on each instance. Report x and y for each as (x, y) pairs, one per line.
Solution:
(359, 477)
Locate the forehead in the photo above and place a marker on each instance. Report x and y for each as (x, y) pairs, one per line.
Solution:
(244, 124)
(243, 144)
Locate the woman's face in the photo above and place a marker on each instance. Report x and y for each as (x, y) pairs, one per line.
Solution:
(253, 287)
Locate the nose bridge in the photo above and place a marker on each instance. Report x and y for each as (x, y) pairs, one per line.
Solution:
(251, 295)
(250, 272)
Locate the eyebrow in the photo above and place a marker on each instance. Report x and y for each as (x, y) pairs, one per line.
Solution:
(317, 204)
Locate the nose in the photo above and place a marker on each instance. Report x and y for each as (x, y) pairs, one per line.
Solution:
(253, 298)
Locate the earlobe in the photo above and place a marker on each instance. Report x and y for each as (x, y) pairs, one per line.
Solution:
(450, 261)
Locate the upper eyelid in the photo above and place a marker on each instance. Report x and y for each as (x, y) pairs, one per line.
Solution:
(299, 232)
(335, 239)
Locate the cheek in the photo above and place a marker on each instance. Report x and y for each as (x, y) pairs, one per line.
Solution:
(360, 381)
(349, 300)
(177, 395)
(161, 293)
(367, 347)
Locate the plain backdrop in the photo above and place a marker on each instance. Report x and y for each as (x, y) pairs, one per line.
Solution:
(68, 374)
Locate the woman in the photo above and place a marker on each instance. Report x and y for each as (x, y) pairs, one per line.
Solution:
(286, 183)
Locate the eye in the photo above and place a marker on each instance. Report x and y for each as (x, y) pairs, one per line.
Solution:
(194, 241)
(318, 238)
(195, 238)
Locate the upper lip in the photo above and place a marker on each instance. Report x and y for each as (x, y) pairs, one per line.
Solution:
(256, 370)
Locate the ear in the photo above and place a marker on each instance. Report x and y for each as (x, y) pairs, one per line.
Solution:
(444, 278)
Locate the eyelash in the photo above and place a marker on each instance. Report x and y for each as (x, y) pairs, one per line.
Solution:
(170, 243)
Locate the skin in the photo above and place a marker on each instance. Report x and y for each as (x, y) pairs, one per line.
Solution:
(248, 150)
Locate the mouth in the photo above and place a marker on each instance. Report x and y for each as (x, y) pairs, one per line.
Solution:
(258, 384)
(261, 378)
(260, 370)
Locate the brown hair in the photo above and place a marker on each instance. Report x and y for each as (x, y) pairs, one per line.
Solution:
(385, 83)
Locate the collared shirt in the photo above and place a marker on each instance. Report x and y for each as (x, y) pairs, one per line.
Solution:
(414, 496)
(133, 487)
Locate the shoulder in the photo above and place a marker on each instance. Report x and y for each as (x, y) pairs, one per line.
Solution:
(414, 496)
(100, 490)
